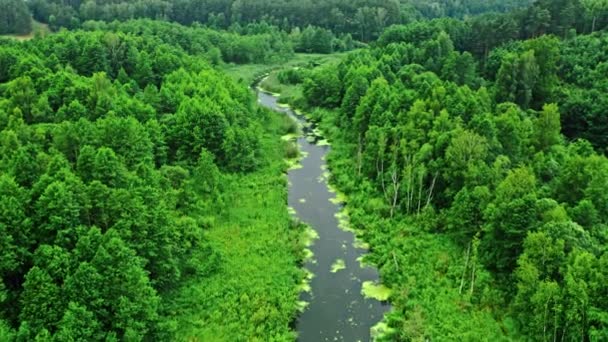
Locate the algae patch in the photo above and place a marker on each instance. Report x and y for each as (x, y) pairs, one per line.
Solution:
(337, 266)
(302, 305)
(360, 244)
(310, 235)
(369, 289)
(380, 330)
(322, 142)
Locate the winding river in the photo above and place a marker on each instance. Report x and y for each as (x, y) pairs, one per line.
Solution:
(337, 310)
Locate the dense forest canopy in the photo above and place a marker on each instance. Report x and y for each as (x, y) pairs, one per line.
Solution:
(363, 19)
(142, 188)
(115, 148)
(15, 17)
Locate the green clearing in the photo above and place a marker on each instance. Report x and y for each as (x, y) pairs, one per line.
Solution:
(247, 73)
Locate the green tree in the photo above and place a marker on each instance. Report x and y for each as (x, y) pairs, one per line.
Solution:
(15, 17)
(547, 127)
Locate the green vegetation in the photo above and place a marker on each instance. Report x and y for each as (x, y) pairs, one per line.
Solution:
(38, 30)
(15, 17)
(378, 292)
(485, 222)
(248, 73)
(141, 197)
(253, 295)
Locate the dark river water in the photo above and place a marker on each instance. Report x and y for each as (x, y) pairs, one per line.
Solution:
(337, 310)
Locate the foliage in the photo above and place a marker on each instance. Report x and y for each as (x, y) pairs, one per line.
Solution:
(124, 158)
(14, 17)
(483, 219)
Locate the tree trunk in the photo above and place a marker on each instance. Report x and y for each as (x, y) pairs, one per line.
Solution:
(421, 176)
(472, 279)
(464, 272)
(430, 196)
(359, 155)
(396, 186)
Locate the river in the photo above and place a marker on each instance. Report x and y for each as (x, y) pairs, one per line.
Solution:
(337, 310)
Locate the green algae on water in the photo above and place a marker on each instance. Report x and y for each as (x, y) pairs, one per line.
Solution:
(380, 330)
(360, 244)
(293, 164)
(290, 137)
(310, 235)
(363, 263)
(337, 266)
(369, 289)
(302, 305)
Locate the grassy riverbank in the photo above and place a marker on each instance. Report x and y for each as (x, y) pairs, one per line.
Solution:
(254, 294)
(247, 73)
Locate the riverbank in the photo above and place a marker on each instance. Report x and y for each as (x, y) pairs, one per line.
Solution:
(254, 294)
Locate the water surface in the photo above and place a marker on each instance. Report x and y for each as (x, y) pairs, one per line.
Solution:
(337, 310)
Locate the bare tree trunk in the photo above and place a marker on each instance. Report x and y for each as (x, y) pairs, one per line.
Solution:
(359, 155)
(554, 326)
(396, 185)
(593, 23)
(380, 172)
(420, 178)
(412, 189)
(473, 279)
(430, 196)
(464, 272)
(545, 321)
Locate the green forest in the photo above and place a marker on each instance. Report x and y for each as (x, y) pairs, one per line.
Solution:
(143, 189)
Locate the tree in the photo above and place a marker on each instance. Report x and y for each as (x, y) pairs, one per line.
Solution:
(14, 17)
(78, 324)
(57, 209)
(128, 310)
(594, 9)
(509, 218)
(517, 79)
(323, 88)
(41, 301)
(547, 128)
